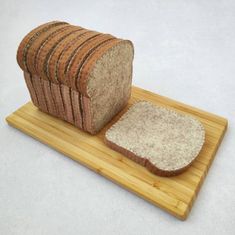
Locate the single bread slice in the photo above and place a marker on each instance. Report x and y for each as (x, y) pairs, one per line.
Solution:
(164, 141)
(106, 82)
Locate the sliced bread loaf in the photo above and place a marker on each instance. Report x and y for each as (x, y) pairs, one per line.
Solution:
(81, 76)
(164, 141)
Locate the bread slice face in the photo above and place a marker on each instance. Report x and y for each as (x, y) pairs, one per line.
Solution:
(166, 142)
(107, 80)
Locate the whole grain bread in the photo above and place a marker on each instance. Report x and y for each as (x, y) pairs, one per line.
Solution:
(29, 39)
(68, 54)
(58, 51)
(38, 44)
(164, 141)
(45, 52)
(81, 76)
(106, 82)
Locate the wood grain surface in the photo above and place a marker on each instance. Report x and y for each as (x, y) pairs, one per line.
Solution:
(173, 194)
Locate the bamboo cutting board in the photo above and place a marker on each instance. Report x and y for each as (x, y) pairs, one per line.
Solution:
(175, 194)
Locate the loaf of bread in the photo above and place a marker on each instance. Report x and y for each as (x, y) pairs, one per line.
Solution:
(164, 141)
(81, 76)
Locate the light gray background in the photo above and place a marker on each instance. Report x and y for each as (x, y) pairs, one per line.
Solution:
(184, 50)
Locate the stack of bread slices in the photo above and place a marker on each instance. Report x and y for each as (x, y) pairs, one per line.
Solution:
(78, 75)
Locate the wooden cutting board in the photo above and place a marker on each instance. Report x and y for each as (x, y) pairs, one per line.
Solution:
(175, 194)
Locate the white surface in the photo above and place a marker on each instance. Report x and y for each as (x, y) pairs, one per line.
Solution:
(184, 50)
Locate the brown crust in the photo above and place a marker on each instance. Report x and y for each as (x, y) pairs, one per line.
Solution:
(57, 52)
(36, 81)
(45, 51)
(79, 58)
(66, 96)
(28, 81)
(86, 117)
(67, 54)
(51, 106)
(76, 109)
(56, 95)
(88, 65)
(45, 47)
(38, 44)
(28, 40)
(143, 161)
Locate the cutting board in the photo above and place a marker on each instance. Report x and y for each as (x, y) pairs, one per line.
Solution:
(174, 194)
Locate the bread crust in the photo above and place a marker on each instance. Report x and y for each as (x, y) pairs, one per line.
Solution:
(66, 96)
(145, 162)
(57, 52)
(86, 117)
(51, 106)
(66, 56)
(82, 53)
(38, 87)
(28, 40)
(38, 44)
(45, 51)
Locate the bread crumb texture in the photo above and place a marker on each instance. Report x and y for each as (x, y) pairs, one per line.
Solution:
(109, 83)
(168, 139)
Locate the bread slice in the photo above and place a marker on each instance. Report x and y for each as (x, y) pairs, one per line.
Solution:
(77, 61)
(164, 141)
(38, 44)
(45, 51)
(29, 39)
(68, 54)
(106, 80)
(38, 87)
(57, 52)
(32, 92)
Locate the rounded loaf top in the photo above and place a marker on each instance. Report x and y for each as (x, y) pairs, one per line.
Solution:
(66, 54)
